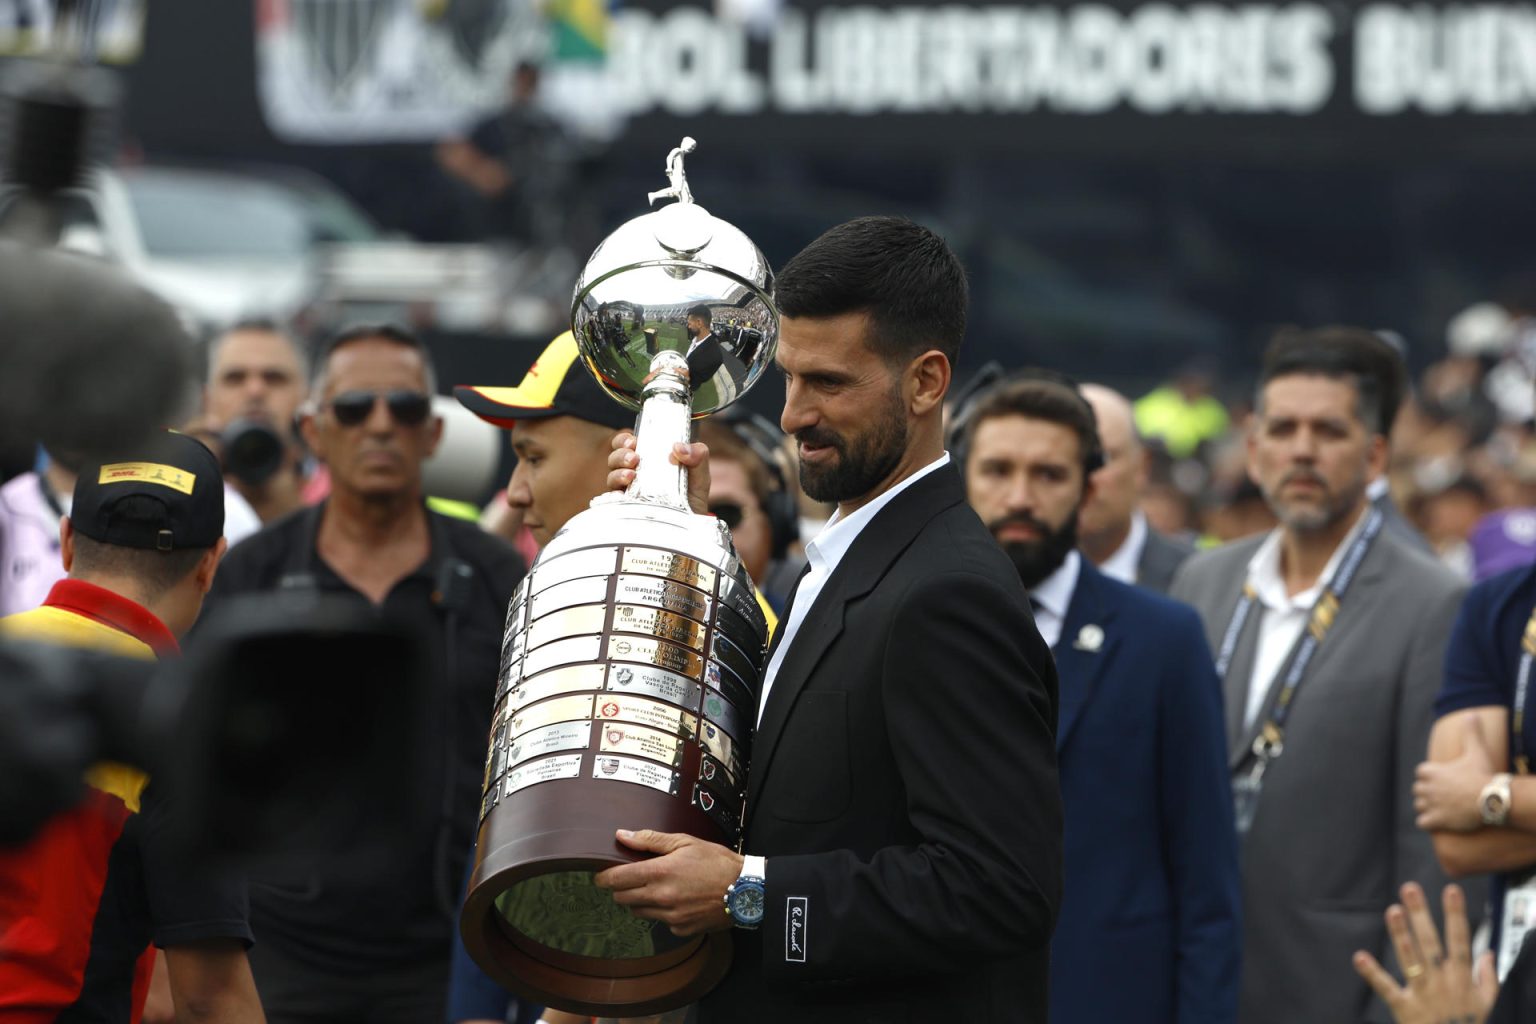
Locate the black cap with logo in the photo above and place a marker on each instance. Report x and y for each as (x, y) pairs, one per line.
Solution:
(556, 385)
(183, 489)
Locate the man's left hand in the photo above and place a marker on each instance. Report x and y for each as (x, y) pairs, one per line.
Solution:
(683, 887)
(1447, 794)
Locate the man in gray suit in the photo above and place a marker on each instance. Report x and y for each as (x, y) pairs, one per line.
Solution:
(1330, 634)
(1111, 530)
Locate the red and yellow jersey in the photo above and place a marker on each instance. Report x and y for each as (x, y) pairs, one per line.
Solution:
(70, 940)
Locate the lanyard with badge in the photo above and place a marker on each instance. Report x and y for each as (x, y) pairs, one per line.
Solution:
(1270, 743)
(1519, 918)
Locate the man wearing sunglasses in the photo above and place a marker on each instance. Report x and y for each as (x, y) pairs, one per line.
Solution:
(373, 942)
(741, 488)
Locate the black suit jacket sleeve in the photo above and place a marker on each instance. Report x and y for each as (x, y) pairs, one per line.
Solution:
(971, 725)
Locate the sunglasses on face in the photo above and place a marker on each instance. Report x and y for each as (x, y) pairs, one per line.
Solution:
(408, 408)
(729, 513)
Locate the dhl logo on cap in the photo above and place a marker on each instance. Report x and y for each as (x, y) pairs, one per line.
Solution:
(148, 473)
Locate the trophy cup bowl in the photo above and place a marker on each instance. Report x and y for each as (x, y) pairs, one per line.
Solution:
(634, 649)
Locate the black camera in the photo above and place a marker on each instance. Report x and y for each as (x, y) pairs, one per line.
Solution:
(261, 734)
(253, 451)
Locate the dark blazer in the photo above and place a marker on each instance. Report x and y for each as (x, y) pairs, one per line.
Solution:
(705, 360)
(1160, 558)
(903, 789)
(1152, 882)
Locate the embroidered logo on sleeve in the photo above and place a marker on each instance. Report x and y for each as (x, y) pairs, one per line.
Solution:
(796, 912)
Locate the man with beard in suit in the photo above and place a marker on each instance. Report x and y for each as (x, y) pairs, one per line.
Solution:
(903, 823)
(705, 356)
(1150, 854)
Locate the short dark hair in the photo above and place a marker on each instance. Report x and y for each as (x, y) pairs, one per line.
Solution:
(903, 275)
(1038, 397)
(366, 332)
(267, 324)
(703, 313)
(1352, 354)
(256, 325)
(155, 571)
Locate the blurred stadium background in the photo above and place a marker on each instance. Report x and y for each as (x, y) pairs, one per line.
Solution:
(1140, 190)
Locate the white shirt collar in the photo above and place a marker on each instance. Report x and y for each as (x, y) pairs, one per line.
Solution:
(1055, 591)
(1378, 488)
(1123, 564)
(1268, 583)
(834, 540)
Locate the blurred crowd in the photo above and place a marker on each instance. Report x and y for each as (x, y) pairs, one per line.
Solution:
(1463, 464)
(1176, 665)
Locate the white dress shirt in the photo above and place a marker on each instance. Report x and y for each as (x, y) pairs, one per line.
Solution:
(1123, 564)
(823, 555)
(1282, 617)
(1053, 597)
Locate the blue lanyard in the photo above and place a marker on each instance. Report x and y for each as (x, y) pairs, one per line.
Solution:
(1324, 612)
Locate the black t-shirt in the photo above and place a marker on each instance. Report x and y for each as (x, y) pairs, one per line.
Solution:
(403, 912)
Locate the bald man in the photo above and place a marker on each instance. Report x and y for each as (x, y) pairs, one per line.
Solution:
(1111, 529)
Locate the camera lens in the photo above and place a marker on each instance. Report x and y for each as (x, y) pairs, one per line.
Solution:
(253, 451)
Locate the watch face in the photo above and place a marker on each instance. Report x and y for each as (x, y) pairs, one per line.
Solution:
(747, 904)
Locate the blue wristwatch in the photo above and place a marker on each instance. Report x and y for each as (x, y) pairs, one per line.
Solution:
(744, 900)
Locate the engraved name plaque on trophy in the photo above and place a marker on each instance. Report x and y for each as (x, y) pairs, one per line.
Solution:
(634, 649)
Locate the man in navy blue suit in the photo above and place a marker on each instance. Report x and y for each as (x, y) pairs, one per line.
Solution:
(1149, 931)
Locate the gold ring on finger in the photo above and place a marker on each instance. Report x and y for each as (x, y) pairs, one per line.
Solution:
(1413, 971)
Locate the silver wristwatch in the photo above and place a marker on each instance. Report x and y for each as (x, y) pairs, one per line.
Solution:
(1493, 803)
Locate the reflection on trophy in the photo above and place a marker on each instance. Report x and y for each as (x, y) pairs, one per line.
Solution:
(634, 649)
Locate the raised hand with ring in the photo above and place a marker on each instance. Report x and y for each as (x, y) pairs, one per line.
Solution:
(1441, 985)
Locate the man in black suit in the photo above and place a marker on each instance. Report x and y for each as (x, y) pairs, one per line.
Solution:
(904, 821)
(705, 356)
(1112, 530)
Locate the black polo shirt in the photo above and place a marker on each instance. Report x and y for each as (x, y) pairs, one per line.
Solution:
(403, 912)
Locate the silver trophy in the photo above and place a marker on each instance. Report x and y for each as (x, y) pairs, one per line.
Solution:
(634, 650)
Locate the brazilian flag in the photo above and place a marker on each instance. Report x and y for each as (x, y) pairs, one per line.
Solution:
(578, 29)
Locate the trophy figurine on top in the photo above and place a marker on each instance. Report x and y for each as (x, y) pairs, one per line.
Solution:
(634, 649)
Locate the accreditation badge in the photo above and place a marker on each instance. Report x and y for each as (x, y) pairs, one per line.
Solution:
(1518, 922)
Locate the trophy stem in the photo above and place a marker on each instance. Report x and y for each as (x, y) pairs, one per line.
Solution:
(665, 419)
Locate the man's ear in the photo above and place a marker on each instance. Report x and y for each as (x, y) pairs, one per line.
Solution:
(308, 430)
(928, 376)
(67, 542)
(1378, 456)
(434, 435)
(1089, 490)
(208, 565)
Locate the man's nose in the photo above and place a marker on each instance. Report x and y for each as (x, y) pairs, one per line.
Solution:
(798, 412)
(519, 494)
(1018, 494)
(1304, 445)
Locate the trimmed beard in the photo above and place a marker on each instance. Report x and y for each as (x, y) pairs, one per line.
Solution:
(862, 462)
(1035, 560)
(1305, 519)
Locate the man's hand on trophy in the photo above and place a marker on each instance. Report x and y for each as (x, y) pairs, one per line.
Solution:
(695, 457)
(683, 887)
